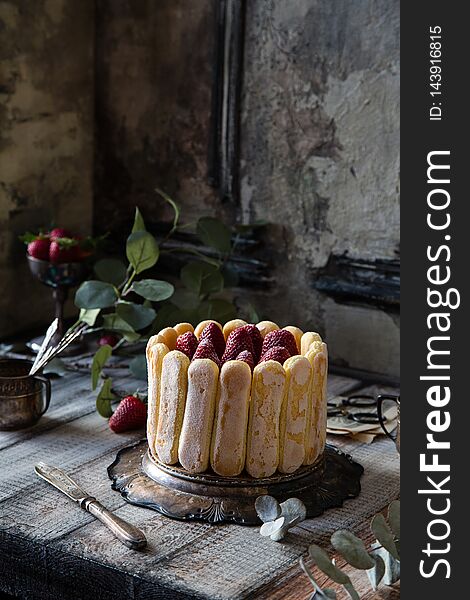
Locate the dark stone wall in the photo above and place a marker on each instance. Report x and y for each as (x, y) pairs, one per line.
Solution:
(319, 139)
(46, 139)
(320, 159)
(154, 76)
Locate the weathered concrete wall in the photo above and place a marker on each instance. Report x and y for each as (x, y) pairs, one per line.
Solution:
(319, 141)
(319, 138)
(46, 139)
(154, 66)
(320, 157)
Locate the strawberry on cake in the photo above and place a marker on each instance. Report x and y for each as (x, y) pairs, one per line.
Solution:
(237, 397)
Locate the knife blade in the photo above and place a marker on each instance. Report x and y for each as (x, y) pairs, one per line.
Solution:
(128, 534)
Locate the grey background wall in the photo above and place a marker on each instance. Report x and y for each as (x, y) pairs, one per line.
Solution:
(321, 157)
(46, 139)
(319, 139)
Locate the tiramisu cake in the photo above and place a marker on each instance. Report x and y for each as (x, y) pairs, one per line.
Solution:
(236, 398)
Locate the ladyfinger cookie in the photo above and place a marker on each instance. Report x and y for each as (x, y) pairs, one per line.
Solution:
(267, 392)
(173, 389)
(169, 336)
(307, 340)
(196, 432)
(266, 327)
(321, 367)
(297, 333)
(294, 414)
(201, 326)
(155, 352)
(315, 435)
(228, 448)
(232, 325)
(181, 328)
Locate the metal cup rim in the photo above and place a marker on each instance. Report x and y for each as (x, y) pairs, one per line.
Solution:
(15, 360)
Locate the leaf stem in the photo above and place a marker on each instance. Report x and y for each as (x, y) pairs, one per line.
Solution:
(128, 283)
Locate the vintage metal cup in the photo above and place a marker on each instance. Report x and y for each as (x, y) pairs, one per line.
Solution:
(380, 400)
(24, 398)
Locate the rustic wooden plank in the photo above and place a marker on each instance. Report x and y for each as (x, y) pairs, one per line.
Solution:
(193, 560)
(72, 444)
(40, 512)
(71, 398)
(294, 585)
(22, 567)
(225, 561)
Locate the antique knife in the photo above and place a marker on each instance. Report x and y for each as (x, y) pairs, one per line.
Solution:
(125, 532)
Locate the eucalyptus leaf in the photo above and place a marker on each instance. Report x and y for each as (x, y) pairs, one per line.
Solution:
(99, 360)
(136, 315)
(130, 336)
(384, 535)
(104, 399)
(394, 517)
(138, 367)
(351, 591)
(214, 233)
(89, 315)
(142, 250)
(111, 270)
(326, 594)
(267, 508)
(95, 294)
(272, 527)
(153, 289)
(139, 224)
(323, 561)
(377, 572)
(212, 283)
(352, 549)
(392, 565)
(294, 511)
(202, 278)
(185, 299)
(117, 323)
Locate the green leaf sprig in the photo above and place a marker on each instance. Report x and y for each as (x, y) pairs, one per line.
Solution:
(381, 563)
(106, 303)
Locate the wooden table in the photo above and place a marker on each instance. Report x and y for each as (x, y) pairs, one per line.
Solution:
(51, 549)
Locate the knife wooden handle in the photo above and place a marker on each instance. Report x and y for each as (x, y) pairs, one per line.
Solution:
(125, 532)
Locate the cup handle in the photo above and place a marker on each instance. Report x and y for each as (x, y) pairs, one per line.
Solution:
(380, 399)
(47, 383)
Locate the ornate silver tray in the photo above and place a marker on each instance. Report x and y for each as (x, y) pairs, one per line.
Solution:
(144, 481)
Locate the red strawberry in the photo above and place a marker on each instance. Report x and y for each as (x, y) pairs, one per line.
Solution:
(187, 343)
(39, 248)
(59, 254)
(59, 232)
(280, 337)
(213, 333)
(237, 341)
(131, 413)
(256, 339)
(108, 339)
(247, 357)
(278, 353)
(206, 349)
